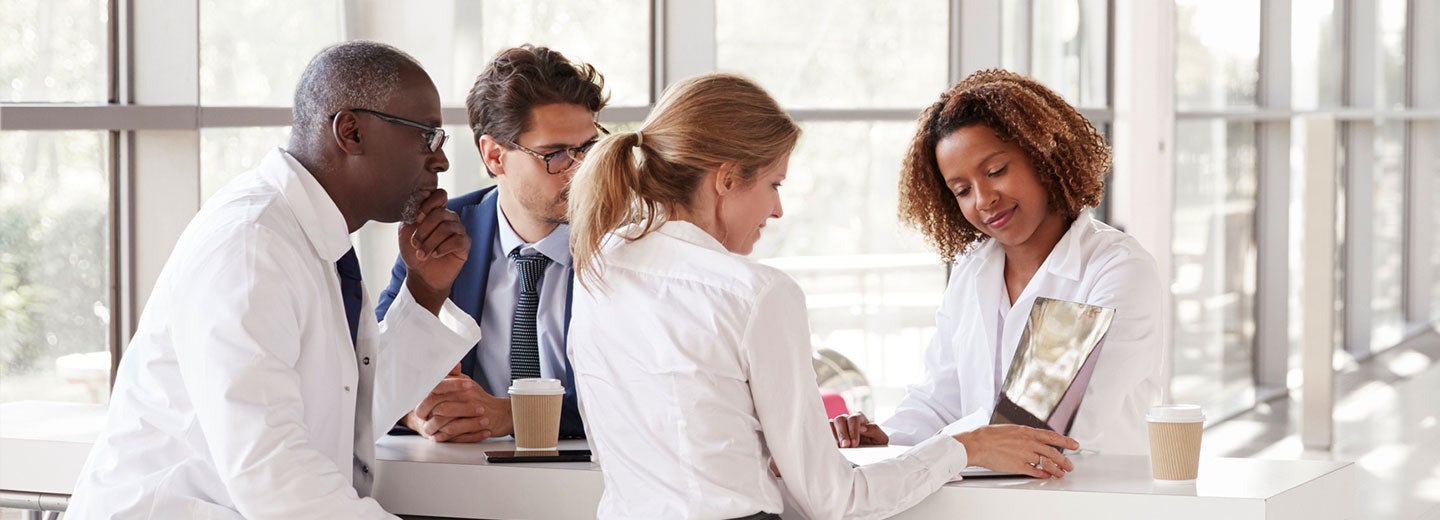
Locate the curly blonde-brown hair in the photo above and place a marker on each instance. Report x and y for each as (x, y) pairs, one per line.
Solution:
(1069, 155)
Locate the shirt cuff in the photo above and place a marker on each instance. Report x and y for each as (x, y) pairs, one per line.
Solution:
(451, 321)
(945, 455)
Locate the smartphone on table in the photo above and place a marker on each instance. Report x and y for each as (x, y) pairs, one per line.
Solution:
(508, 457)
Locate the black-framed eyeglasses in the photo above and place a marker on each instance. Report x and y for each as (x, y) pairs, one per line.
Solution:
(561, 161)
(434, 137)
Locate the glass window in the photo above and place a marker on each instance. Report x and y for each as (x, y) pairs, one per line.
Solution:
(1390, 87)
(1387, 229)
(1432, 129)
(225, 153)
(1070, 51)
(1014, 33)
(1217, 50)
(54, 51)
(250, 57)
(871, 284)
(1213, 281)
(54, 266)
(247, 59)
(810, 54)
(1315, 42)
(612, 35)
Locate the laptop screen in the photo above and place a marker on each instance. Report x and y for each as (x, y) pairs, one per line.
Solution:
(1052, 365)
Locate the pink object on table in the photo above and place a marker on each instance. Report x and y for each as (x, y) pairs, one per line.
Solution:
(834, 404)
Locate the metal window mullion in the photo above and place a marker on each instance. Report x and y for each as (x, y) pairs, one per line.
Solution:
(1025, 34)
(687, 41)
(975, 36)
(954, 43)
(1423, 163)
(1361, 33)
(1271, 342)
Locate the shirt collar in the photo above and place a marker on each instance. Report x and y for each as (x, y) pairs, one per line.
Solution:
(317, 213)
(555, 246)
(691, 233)
(1066, 258)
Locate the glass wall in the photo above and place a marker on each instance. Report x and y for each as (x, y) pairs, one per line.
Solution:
(900, 62)
(54, 51)
(54, 207)
(1217, 47)
(1070, 50)
(871, 284)
(54, 266)
(1387, 221)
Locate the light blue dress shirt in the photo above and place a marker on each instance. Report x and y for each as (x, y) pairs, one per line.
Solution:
(503, 290)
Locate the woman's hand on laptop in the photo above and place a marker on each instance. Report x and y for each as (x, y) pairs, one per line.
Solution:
(854, 430)
(1018, 449)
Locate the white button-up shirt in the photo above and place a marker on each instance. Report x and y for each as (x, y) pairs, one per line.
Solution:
(241, 394)
(1093, 263)
(693, 367)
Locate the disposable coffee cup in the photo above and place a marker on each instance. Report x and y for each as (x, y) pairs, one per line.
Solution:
(1175, 441)
(535, 409)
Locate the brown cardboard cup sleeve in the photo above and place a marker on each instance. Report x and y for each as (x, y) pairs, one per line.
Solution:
(1175, 432)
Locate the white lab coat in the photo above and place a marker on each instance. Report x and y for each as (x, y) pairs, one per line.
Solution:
(241, 394)
(693, 369)
(1093, 263)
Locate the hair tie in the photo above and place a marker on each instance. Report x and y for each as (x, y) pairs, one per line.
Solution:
(639, 139)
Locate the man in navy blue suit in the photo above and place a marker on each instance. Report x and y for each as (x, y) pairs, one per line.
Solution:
(533, 116)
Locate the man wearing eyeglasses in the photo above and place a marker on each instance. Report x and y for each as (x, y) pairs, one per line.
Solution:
(532, 112)
(257, 381)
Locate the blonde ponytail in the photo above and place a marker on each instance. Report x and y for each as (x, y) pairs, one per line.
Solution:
(633, 179)
(607, 197)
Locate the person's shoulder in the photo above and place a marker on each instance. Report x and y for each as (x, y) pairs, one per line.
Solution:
(970, 261)
(672, 257)
(461, 203)
(1114, 255)
(1108, 244)
(247, 202)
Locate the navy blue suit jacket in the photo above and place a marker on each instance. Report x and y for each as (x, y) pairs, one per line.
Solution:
(477, 212)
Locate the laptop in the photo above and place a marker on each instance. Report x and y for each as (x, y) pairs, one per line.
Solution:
(1051, 369)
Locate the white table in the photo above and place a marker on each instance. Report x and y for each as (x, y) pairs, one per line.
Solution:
(419, 477)
(43, 447)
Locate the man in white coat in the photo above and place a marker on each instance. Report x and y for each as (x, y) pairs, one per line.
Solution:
(259, 378)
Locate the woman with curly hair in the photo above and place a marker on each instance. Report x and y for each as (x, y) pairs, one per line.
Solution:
(998, 178)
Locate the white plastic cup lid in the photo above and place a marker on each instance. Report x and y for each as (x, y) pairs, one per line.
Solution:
(1175, 413)
(536, 386)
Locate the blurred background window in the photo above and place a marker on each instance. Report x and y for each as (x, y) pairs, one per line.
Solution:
(249, 57)
(1070, 49)
(809, 54)
(54, 266)
(1213, 246)
(55, 51)
(871, 285)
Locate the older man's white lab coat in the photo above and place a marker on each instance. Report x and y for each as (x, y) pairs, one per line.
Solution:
(977, 332)
(241, 394)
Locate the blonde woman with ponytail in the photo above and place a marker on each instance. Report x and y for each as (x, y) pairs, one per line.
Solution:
(693, 362)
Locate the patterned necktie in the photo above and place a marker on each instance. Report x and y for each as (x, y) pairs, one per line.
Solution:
(524, 343)
(349, 269)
